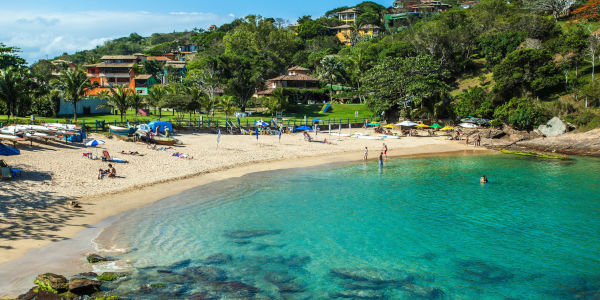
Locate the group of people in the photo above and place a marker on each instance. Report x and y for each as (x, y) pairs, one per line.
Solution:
(476, 140)
(111, 172)
(459, 134)
(383, 153)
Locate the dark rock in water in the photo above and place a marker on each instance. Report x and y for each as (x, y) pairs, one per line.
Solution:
(217, 259)
(289, 287)
(82, 286)
(88, 274)
(164, 271)
(423, 292)
(363, 285)
(95, 258)
(293, 261)
(206, 273)
(296, 261)
(359, 294)
(111, 276)
(243, 243)
(278, 277)
(32, 294)
(203, 296)
(234, 289)
(372, 275)
(263, 246)
(429, 256)
(246, 234)
(482, 272)
(180, 264)
(51, 282)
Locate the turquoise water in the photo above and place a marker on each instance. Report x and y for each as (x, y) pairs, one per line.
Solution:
(418, 228)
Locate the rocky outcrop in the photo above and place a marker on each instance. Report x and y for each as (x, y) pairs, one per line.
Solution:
(82, 286)
(217, 259)
(585, 143)
(95, 258)
(554, 127)
(51, 282)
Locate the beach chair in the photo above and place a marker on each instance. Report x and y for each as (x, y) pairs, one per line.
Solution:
(106, 156)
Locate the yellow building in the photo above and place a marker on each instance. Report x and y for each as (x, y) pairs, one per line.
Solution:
(344, 32)
(348, 16)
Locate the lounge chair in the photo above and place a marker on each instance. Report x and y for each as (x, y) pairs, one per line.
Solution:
(107, 157)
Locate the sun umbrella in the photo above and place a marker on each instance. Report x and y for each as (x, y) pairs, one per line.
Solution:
(390, 126)
(407, 124)
(304, 128)
(436, 125)
(423, 126)
(446, 128)
(94, 143)
(317, 120)
(8, 151)
(373, 124)
(261, 123)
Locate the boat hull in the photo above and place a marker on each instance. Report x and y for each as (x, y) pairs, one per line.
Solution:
(163, 141)
(121, 130)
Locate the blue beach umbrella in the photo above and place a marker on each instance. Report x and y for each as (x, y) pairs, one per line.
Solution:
(304, 128)
(94, 143)
(317, 120)
(261, 123)
(8, 151)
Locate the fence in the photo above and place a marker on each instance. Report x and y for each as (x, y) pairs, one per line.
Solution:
(208, 123)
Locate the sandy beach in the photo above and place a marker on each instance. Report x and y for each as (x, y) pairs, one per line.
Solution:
(33, 209)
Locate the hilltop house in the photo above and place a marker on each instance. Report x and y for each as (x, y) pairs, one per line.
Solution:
(117, 70)
(348, 16)
(296, 78)
(344, 32)
(421, 6)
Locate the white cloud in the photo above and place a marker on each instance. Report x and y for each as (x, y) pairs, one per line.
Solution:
(50, 34)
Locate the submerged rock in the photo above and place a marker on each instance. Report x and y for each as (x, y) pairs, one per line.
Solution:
(246, 234)
(482, 272)
(234, 289)
(51, 282)
(207, 273)
(164, 271)
(372, 275)
(423, 292)
(359, 294)
(278, 277)
(217, 259)
(364, 285)
(88, 274)
(289, 287)
(82, 286)
(95, 258)
(180, 264)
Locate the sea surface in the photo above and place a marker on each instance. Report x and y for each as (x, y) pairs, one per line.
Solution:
(417, 228)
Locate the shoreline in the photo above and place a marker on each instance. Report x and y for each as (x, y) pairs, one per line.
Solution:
(100, 208)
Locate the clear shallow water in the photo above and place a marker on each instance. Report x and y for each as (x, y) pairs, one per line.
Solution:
(420, 227)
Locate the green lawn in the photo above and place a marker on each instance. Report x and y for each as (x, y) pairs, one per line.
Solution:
(311, 111)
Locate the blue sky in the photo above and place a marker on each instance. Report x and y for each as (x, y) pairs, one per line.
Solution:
(48, 28)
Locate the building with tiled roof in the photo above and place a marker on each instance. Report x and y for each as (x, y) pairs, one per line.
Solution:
(297, 78)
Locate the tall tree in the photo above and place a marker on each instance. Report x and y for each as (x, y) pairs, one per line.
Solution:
(13, 88)
(556, 7)
(331, 70)
(9, 57)
(74, 84)
(136, 101)
(208, 80)
(227, 105)
(156, 95)
(118, 98)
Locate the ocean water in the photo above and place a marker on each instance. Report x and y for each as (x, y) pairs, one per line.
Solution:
(418, 228)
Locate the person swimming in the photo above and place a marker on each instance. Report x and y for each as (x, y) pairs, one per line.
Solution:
(483, 179)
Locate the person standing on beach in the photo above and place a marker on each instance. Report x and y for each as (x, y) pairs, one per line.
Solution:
(366, 154)
(385, 150)
(167, 132)
(467, 141)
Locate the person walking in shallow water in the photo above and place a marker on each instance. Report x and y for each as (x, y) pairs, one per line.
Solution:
(366, 154)
(381, 159)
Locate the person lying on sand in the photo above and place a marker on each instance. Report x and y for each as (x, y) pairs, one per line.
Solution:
(134, 153)
(182, 155)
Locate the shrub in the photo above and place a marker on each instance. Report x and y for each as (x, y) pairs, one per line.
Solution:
(522, 113)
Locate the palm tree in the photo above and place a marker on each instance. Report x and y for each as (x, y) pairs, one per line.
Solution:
(156, 94)
(73, 83)
(13, 88)
(331, 70)
(228, 105)
(136, 102)
(118, 99)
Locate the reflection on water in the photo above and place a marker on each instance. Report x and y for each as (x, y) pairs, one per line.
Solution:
(421, 228)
